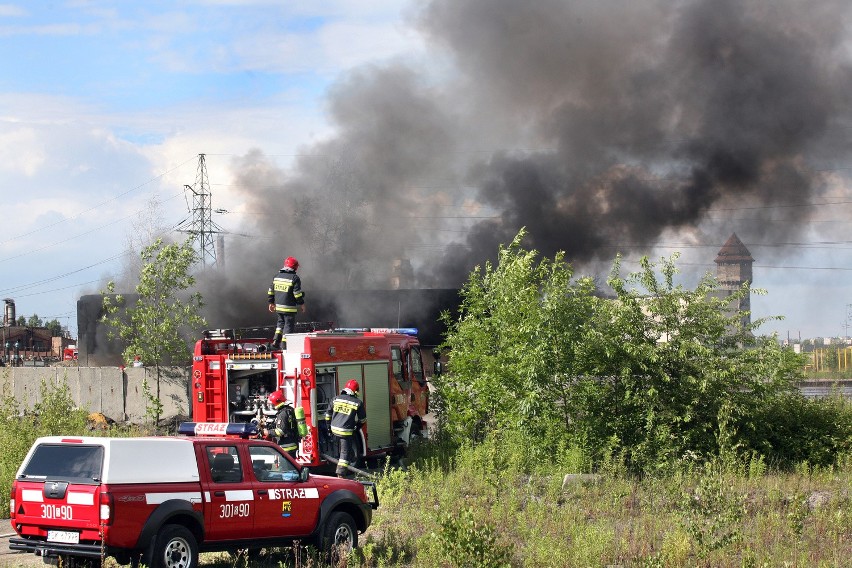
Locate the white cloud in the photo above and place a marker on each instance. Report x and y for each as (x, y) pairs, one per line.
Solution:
(20, 151)
(11, 11)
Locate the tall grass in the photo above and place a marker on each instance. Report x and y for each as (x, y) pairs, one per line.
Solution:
(485, 510)
(503, 503)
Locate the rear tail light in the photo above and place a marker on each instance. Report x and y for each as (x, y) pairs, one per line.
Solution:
(106, 508)
(12, 501)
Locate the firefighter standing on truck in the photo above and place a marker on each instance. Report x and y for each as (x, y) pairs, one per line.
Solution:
(284, 427)
(285, 298)
(347, 414)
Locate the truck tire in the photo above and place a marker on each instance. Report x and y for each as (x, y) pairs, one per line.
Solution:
(339, 536)
(174, 547)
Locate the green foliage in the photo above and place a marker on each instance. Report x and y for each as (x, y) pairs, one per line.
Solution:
(34, 321)
(713, 511)
(54, 327)
(154, 328)
(483, 507)
(794, 429)
(153, 406)
(159, 326)
(513, 348)
(634, 383)
(466, 542)
(53, 414)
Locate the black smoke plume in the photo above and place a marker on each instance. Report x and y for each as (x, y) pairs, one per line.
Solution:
(598, 125)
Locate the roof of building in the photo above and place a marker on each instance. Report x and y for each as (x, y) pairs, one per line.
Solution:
(733, 251)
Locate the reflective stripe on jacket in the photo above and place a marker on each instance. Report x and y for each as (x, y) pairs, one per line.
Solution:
(286, 291)
(285, 428)
(347, 414)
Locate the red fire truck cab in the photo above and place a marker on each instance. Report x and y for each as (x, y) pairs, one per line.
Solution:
(234, 371)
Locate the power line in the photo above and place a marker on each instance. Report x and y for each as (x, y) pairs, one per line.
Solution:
(94, 207)
(93, 230)
(52, 290)
(13, 290)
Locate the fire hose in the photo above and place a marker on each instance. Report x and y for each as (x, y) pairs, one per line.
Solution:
(351, 468)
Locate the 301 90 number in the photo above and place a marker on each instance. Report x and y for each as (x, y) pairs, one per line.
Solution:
(57, 512)
(234, 510)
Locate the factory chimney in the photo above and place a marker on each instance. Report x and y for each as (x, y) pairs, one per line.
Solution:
(9, 313)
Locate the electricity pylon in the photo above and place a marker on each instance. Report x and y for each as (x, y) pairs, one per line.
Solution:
(201, 227)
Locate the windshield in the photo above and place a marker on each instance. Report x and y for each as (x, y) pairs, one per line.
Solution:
(65, 461)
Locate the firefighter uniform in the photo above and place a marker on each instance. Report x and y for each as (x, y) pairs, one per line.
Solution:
(285, 429)
(347, 414)
(286, 295)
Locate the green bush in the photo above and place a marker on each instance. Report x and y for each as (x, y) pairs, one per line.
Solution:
(463, 541)
(53, 414)
(794, 429)
(635, 383)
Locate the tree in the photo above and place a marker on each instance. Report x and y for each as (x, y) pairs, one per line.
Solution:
(54, 327)
(21, 321)
(513, 347)
(144, 230)
(34, 321)
(641, 380)
(157, 327)
(670, 371)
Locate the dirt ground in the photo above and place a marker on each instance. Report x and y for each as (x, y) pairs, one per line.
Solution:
(13, 558)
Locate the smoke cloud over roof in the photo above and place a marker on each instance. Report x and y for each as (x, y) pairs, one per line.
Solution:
(595, 124)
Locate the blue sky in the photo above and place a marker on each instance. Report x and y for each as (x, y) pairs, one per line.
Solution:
(105, 106)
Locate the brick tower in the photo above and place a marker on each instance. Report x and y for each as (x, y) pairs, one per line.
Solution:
(733, 269)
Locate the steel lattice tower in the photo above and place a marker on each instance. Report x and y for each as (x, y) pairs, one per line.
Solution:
(202, 228)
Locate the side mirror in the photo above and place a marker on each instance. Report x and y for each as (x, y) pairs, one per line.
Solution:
(304, 474)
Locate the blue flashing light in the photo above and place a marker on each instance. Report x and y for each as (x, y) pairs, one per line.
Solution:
(402, 330)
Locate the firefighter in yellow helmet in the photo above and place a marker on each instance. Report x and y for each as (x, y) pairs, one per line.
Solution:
(347, 414)
(285, 299)
(284, 428)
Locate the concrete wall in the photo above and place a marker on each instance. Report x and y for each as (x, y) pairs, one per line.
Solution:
(116, 393)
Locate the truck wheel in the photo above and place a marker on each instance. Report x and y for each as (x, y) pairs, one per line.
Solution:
(339, 537)
(174, 547)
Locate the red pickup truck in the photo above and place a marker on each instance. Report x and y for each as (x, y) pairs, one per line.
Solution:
(162, 500)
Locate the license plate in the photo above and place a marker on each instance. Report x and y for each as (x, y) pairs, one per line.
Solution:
(67, 537)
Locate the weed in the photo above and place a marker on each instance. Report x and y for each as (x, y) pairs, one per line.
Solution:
(712, 512)
(471, 543)
(153, 405)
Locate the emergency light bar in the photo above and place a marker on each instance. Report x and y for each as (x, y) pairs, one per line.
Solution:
(243, 430)
(402, 330)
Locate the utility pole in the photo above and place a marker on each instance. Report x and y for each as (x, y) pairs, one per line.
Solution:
(846, 336)
(201, 227)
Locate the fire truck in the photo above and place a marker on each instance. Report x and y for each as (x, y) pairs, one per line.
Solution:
(234, 370)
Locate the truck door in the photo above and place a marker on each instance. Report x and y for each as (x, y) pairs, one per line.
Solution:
(232, 507)
(419, 387)
(285, 505)
(399, 387)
